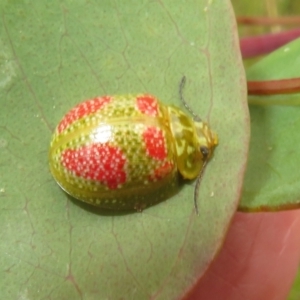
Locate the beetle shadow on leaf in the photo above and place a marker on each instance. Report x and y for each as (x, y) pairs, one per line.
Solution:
(111, 212)
(98, 210)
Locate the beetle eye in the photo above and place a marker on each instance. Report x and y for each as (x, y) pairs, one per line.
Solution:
(205, 152)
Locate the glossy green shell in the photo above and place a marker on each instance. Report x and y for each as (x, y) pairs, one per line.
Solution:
(126, 152)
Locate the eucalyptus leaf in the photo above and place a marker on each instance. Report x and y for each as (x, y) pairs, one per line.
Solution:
(55, 54)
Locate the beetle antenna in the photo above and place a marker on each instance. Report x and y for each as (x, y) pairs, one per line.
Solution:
(196, 190)
(188, 108)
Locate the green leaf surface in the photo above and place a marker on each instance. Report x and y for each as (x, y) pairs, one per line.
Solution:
(272, 176)
(56, 54)
(281, 64)
(295, 290)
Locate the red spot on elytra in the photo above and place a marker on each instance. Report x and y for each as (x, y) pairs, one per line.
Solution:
(162, 171)
(99, 162)
(148, 105)
(155, 143)
(83, 109)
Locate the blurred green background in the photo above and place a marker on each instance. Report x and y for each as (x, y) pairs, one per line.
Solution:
(270, 8)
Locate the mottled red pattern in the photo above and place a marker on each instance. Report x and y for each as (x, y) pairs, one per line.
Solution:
(162, 171)
(155, 143)
(83, 109)
(148, 105)
(99, 162)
